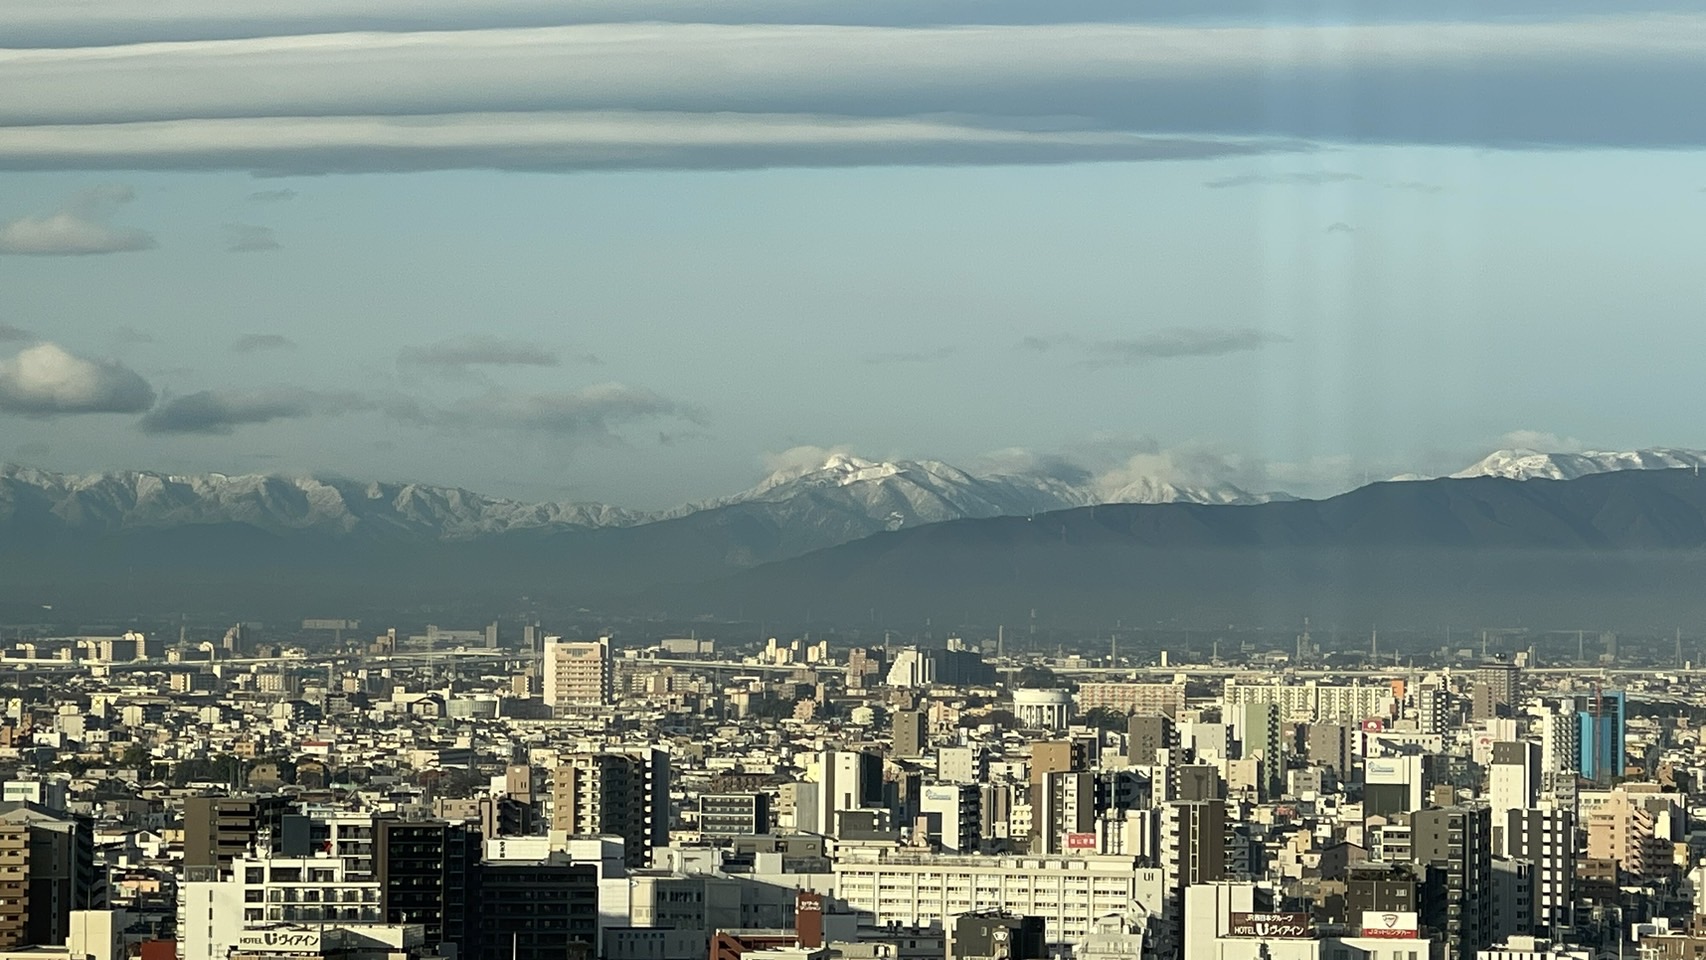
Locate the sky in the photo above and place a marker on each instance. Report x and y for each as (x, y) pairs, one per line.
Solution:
(642, 252)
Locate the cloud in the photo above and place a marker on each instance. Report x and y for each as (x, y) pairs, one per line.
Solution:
(11, 334)
(592, 413)
(1340, 227)
(257, 342)
(1167, 344)
(1303, 179)
(272, 196)
(909, 356)
(33, 451)
(801, 459)
(249, 238)
(504, 90)
(79, 229)
(483, 351)
(1541, 441)
(131, 336)
(220, 412)
(46, 380)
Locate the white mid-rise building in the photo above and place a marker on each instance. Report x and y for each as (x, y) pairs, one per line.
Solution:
(1069, 893)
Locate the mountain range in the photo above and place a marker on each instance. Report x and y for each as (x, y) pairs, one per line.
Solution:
(846, 496)
(848, 535)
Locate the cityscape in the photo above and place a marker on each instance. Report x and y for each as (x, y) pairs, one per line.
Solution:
(321, 788)
(852, 480)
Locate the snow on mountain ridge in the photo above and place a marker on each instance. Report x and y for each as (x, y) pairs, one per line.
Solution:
(1522, 464)
(843, 497)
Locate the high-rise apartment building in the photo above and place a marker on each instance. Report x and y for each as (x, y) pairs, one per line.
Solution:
(1146, 735)
(428, 873)
(1495, 690)
(909, 733)
(47, 870)
(615, 793)
(218, 830)
(577, 674)
(1546, 838)
(1458, 842)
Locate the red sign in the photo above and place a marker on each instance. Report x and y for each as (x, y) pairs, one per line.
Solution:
(1271, 926)
(1080, 841)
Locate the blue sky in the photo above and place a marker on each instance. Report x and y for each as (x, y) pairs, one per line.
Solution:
(639, 263)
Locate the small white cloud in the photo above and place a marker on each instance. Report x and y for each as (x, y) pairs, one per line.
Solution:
(47, 380)
(80, 229)
(1541, 441)
(804, 458)
(67, 235)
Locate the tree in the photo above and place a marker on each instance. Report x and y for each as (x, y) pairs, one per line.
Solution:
(1037, 678)
(1105, 718)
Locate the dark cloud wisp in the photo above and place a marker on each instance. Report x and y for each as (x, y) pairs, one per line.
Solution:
(1169, 344)
(483, 351)
(220, 412)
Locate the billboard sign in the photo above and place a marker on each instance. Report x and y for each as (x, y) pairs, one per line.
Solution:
(1389, 925)
(1271, 926)
(1080, 841)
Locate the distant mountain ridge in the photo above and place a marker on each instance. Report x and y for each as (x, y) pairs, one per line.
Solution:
(1522, 464)
(1611, 548)
(846, 496)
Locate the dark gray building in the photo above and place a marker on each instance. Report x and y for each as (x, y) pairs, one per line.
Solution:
(734, 814)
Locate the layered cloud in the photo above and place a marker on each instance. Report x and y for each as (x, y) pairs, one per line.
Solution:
(46, 380)
(220, 412)
(509, 92)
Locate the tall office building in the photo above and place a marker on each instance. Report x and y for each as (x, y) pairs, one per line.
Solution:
(1458, 842)
(1547, 839)
(1601, 719)
(1495, 691)
(577, 674)
(619, 794)
(428, 872)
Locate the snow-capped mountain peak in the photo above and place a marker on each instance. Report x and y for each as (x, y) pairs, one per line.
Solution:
(1521, 464)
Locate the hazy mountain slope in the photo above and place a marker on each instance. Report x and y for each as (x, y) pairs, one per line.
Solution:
(1629, 543)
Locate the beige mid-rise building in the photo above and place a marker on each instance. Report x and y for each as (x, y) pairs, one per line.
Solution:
(577, 673)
